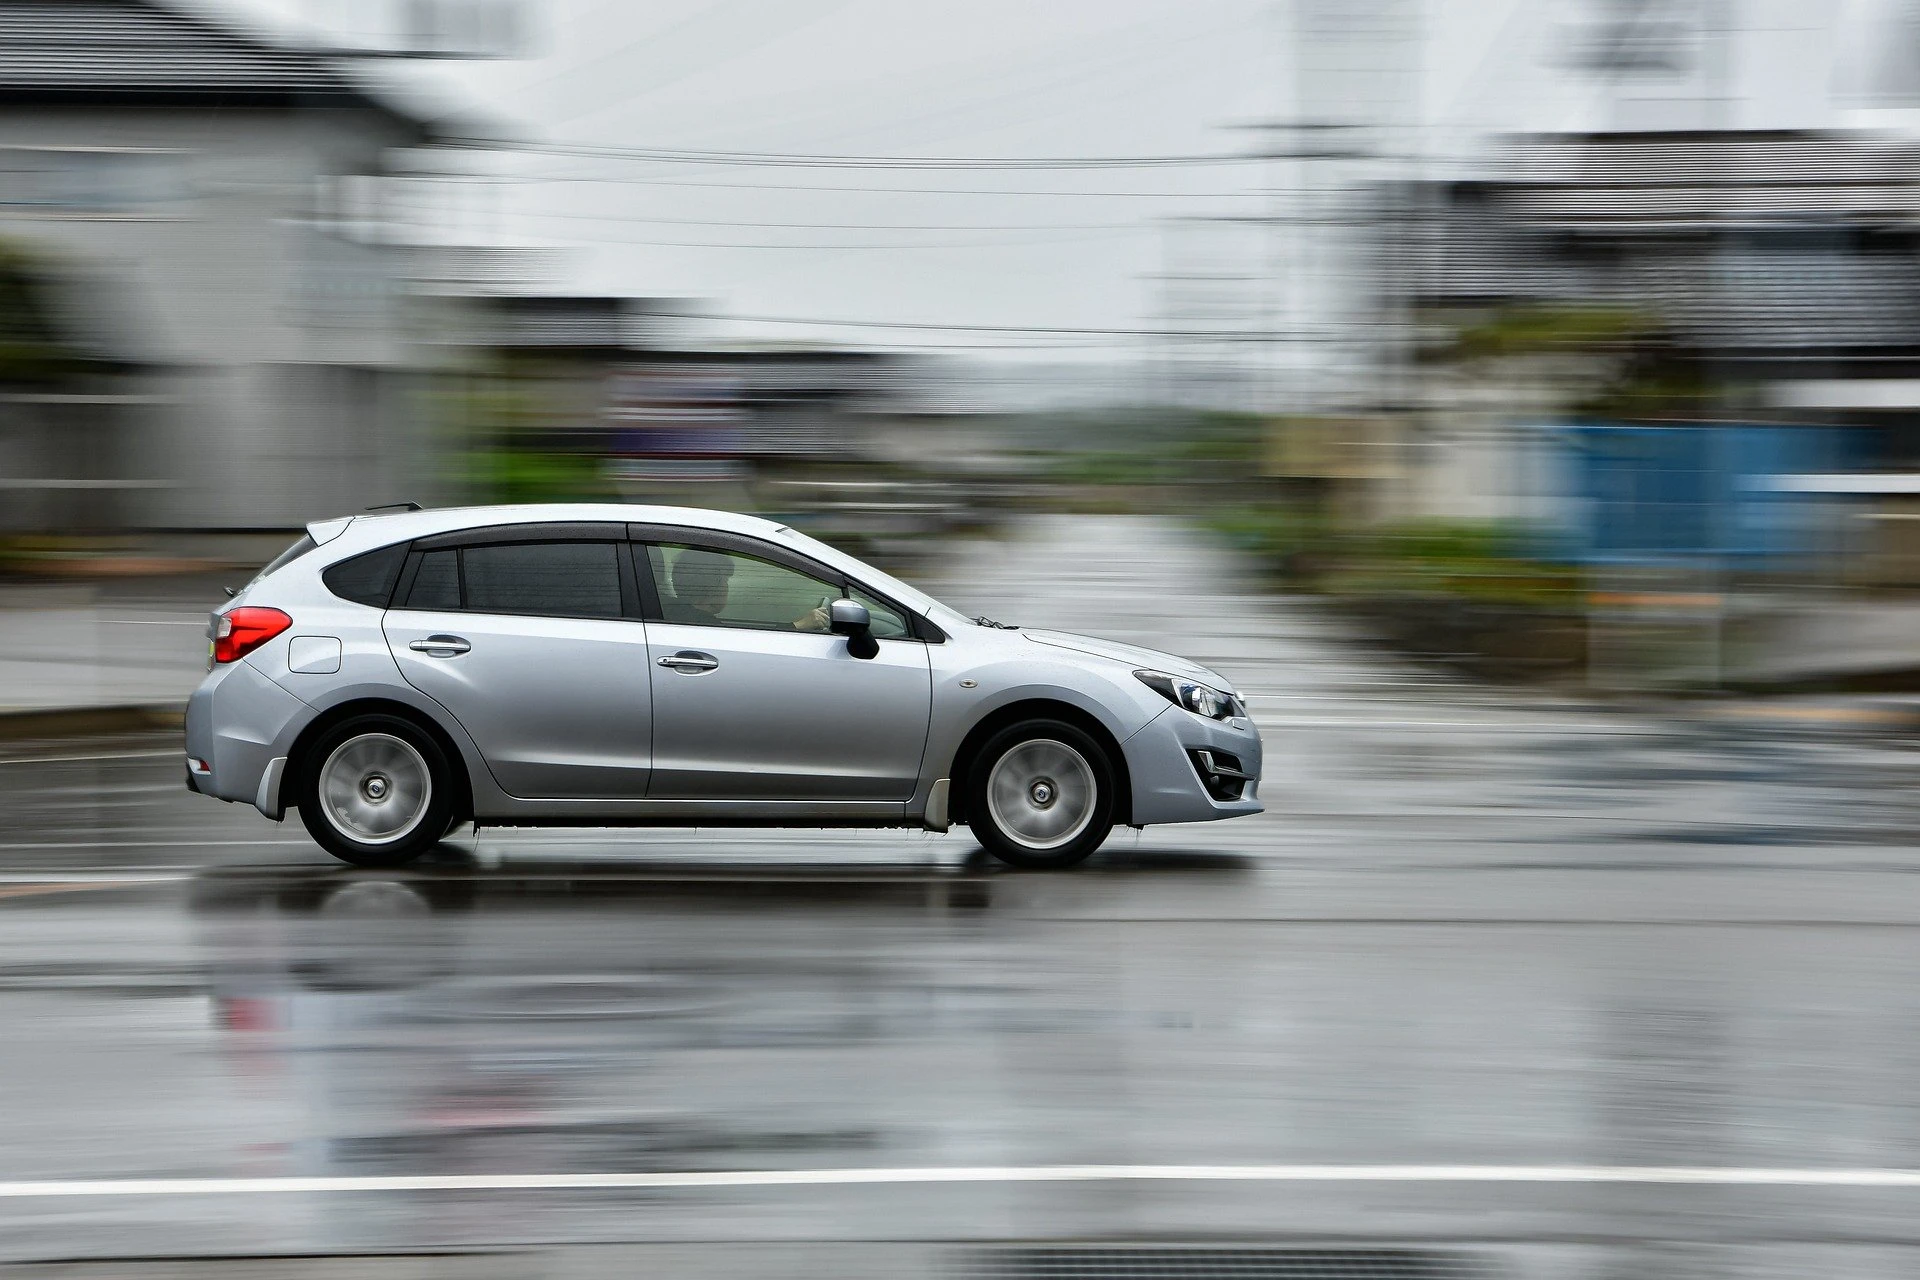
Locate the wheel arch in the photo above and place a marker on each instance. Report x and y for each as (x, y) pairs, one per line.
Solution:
(967, 753)
(299, 765)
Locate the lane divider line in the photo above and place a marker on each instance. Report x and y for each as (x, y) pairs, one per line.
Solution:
(1648, 1175)
(70, 886)
(155, 754)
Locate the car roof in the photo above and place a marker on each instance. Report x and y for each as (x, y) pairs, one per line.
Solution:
(348, 536)
(373, 530)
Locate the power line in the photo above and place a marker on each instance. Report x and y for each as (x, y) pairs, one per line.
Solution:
(1225, 335)
(612, 180)
(836, 226)
(819, 246)
(768, 159)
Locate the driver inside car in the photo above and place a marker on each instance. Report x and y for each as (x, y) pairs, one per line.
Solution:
(702, 581)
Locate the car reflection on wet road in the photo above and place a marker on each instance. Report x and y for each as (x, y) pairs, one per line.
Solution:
(1484, 954)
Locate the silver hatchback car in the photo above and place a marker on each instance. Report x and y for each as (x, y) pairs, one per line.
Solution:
(393, 676)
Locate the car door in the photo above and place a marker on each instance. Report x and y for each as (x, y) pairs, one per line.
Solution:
(531, 637)
(751, 702)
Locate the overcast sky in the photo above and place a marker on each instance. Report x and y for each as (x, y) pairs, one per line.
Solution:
(1073, 248)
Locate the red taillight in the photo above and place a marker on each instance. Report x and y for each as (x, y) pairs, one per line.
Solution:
(245, 629)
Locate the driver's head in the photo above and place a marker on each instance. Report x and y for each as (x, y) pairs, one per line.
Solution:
(700, 579)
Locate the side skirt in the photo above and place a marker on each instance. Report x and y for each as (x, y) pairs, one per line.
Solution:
(703, 813)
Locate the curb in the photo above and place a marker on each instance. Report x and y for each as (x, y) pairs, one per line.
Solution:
(68, 722)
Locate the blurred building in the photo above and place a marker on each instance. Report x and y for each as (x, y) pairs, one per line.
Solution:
(1769, 259)
(612, 377)
(205, 218)
(1671, 277)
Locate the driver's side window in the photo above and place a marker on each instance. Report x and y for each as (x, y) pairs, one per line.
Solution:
(888, 622)
(701, 586)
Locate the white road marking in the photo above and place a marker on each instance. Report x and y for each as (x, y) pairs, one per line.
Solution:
(1648, 1175)
(178, 752)
(1271, 723)
(140, 875)
(549, 841)
(24, 846)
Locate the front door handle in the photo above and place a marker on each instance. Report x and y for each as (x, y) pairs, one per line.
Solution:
(440, 646)
(688, 662)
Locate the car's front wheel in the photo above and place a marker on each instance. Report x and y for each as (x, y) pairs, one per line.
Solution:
(376, 791)
(1041, 794)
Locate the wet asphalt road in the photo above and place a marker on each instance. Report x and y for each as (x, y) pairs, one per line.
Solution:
(1475, 928)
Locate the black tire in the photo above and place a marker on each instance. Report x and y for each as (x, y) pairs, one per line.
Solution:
(395, 750)
(1056, 787)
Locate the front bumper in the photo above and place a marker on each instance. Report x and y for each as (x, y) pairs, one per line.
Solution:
(1167, 783)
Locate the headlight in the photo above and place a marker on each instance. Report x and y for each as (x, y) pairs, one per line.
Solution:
(1201, 699)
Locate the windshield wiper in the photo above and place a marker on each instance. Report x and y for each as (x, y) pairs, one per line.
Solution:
(984, 621)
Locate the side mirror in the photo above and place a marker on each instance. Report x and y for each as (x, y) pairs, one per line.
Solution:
(850, 618)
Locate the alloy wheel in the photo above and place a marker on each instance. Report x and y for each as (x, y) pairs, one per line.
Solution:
(1042, 793)
(375, 788)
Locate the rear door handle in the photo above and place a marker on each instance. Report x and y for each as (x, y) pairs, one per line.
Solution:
(440, 646)
(688, 662)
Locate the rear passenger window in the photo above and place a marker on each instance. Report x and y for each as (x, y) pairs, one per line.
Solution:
(437, 583)
(566, 579)
(368, 578)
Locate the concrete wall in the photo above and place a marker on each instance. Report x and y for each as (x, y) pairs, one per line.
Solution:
(273, 334)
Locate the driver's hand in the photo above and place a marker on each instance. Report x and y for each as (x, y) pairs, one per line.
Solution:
(813, 621)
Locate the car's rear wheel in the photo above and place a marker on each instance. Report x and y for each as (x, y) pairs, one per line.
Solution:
(1041, 794)
(376, 791)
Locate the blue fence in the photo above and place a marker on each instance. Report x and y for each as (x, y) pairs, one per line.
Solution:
(1657, 494)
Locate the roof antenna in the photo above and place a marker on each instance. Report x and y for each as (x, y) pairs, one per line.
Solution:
(396, 506)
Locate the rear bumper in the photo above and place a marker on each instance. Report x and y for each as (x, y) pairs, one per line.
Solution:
(1166, 783)
(239, 722)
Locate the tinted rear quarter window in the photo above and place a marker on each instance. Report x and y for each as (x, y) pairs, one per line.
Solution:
(437, 584)
(367, 578)
(565, 579)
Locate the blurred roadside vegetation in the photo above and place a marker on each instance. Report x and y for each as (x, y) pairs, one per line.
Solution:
(1601, 363)
(1208, 468)
(1308, 550)
(496, 431)
(33, 349)
(1172, 452)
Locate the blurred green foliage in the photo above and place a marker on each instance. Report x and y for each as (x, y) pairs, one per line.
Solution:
(32, 349)
(1293, 538)
(1309, 549)
(523, 475)
(1466, 559)
(1538, 329)
(1637, 372)
(1165, 449)
(496, 442)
